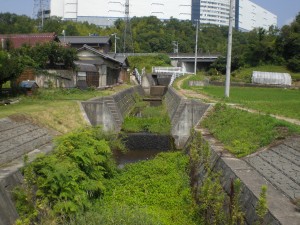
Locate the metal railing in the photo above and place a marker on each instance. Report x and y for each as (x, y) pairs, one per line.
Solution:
(174, 77)
(166, 69)
(138, 76)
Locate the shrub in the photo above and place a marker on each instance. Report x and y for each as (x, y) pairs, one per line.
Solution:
(71, 177)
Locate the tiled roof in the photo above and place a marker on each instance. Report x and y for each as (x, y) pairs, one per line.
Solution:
(85, 39)
(103, 55)
(18, 40)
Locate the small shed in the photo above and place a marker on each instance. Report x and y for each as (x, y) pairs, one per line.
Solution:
(29, 86)
(271, 78)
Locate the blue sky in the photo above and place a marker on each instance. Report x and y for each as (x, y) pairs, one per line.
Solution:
(286, 10)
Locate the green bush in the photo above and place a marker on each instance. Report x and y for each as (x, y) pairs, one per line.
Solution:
(71, 177)
(149, 61)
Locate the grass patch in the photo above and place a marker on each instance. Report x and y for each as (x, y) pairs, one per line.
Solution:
(243, 133)
(149, 61)
(278, 101)
(149, 119)
(57, 109)
(149, 192)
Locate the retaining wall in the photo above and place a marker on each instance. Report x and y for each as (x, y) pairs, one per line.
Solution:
(184, 114)
(110, 111)
(280, 209)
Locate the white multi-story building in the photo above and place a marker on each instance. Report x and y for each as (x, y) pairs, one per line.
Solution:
(104, 12)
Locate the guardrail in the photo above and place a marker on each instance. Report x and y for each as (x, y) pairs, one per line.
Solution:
(166, 69)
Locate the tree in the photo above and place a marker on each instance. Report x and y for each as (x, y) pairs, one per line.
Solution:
(11, 66)
(48, 55)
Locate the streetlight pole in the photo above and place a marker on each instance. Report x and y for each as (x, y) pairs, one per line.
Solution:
(229, 49)
(196, 47)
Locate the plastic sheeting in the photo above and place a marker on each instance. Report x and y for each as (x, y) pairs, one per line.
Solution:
(271, 78)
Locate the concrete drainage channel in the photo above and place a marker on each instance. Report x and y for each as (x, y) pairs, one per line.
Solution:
(185, 114)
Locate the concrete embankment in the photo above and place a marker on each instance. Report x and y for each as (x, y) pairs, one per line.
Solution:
(184, 114)
(110, 111)
(17, 138)
(280, 208)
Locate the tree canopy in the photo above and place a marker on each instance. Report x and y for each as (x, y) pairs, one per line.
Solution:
(151, 35)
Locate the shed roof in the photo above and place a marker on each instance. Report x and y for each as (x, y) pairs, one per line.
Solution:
(272, 78)
(30, 39)
(85, 39)
(96, 52)
(28, 84)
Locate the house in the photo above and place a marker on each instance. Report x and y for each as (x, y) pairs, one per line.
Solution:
(18, 40)
(98, 69)
(101, 43)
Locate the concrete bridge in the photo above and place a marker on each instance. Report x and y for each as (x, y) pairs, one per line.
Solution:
(187, 60)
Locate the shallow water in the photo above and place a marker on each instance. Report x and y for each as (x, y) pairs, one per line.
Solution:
(133, 156)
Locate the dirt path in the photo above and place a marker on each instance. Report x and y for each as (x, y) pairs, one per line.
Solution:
(206, 98)
(192, 94)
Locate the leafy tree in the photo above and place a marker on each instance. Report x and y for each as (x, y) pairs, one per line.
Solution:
(49, 55)
(12, 23)
(12, 65)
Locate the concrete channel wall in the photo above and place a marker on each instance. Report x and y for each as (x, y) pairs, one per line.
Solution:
(280, 209)
(110, 111)
(184, 114)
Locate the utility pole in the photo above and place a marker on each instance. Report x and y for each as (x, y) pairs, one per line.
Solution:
(115, 35)
(229, 49)
(196, 47)
(175, 44)
(127, 30)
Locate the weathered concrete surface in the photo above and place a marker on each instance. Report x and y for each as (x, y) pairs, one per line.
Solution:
(17, 138)
(280, 165)
(158, 90)
(184, 114)
(110, 111)
(281, 210)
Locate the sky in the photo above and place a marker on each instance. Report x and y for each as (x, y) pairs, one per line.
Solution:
(286, 10)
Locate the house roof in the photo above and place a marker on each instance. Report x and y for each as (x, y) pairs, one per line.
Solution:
(85, 39)
(30, 39)
(96, 52)
(120, 57)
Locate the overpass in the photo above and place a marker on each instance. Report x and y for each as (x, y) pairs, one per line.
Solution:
(187, 60)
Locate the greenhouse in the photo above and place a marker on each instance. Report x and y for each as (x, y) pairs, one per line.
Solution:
(271, 78)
